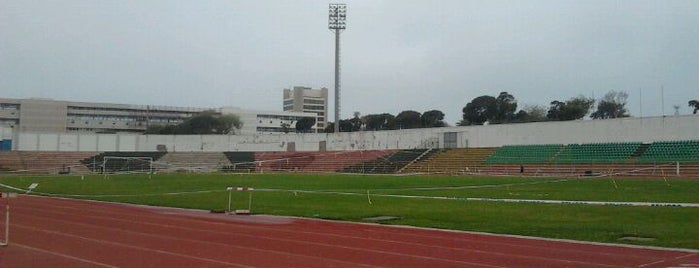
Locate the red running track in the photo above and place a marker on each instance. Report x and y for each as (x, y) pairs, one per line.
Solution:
(51, 232)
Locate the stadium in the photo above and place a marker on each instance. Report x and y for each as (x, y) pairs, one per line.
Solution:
(637, 176)
(91, 184)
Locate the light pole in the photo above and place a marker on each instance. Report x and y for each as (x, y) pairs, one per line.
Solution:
(336, 23)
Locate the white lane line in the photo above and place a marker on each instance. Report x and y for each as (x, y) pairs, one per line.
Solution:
(348, 247)
(674, 259)
(182, 239)
(155, 216)
(243, 226)
(43, 251)
(129, 246)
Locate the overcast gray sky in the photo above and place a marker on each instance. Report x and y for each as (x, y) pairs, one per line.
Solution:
(396, 55)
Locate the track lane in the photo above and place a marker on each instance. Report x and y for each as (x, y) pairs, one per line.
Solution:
(492, 253)
(360, 243)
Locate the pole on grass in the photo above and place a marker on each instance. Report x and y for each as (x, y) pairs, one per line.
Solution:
(250, 201)
(7, 225)
(230, 191)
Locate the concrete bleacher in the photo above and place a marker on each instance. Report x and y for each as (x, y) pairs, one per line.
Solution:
(313, 161)
(537, 153)
(192, 162)
(451, 161)
(671, 151)
(656, 159)
(660, 158)
(387, 163)
(95, 162)
(43, 162)
(240, 162)
(618, 152)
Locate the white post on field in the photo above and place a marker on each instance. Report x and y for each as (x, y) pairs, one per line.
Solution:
(230, 192)
(677, 168)
(7, 218)
(7, 227)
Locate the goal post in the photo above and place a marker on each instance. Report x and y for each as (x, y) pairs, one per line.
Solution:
(127, 164)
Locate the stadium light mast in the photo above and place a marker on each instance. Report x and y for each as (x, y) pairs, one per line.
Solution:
(336, 23)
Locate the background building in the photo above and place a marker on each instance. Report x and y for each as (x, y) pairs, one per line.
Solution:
(45, 115)
(265, 121)
(308, 100)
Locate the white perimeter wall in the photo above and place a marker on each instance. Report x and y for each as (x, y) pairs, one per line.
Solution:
(583, 131)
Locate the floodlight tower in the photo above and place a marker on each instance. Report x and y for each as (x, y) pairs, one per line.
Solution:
(336, 23)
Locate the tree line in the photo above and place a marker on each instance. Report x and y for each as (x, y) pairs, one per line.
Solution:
(503, 109)
(500, 109)
(207, 122)
(386, 121)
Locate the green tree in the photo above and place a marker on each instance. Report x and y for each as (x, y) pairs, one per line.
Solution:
(286, 127)
(203, 123)
(612, 105)
(505, 107)
(229, 122)
(330, 128)
(432, 118)
(305, 124)
(695, 104)
(350, 125)
(356, 122)
(408, 119)
(531, 113)
(383, 121)
(207, 122)
(572, 109)
(479, 110)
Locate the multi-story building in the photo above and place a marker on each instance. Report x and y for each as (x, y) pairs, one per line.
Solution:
(45, 115)
(308, 100)
(266, 121)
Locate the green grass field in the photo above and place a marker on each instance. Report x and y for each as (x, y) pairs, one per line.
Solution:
(344, 197)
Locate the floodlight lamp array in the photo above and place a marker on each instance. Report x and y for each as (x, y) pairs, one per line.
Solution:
(338, 17)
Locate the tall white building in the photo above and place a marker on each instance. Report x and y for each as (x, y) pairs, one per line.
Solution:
(308, 100)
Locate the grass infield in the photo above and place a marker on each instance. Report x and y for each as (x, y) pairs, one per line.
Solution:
(344, 197)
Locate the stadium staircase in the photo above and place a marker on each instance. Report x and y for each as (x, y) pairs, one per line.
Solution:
(451, 161)
(387, 164)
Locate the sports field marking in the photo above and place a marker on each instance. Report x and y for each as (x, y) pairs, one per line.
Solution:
(63, 255)
(110, 195)
(539, 201)
(368, 194)
(449, 187)
(686, 265)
